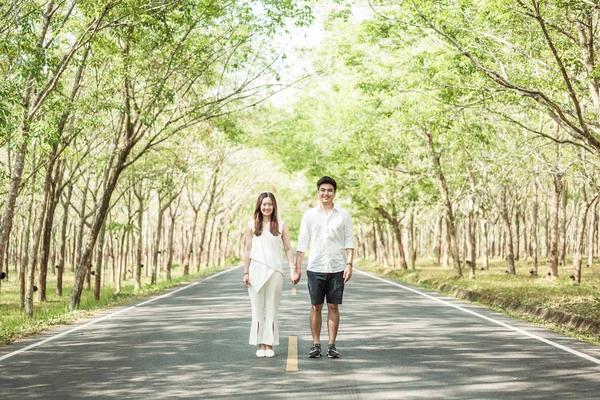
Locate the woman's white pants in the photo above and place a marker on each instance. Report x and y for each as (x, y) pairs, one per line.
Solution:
(265, 306)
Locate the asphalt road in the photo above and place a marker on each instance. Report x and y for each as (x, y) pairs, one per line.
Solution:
(396, 341)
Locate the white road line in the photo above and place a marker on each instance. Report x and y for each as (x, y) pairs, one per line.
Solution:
(95, 321)
(519, 330)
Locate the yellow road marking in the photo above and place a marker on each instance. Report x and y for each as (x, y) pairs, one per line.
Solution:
(293, 291)
(292, 361)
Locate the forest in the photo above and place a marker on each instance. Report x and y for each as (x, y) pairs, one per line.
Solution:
(136, 135)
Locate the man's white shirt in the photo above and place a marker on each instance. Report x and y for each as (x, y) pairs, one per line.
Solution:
(329, 236)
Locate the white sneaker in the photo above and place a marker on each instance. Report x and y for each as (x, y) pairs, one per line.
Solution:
(269, 353)
(260, 353)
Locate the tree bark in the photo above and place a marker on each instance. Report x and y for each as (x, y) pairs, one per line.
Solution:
(517, 234)
(140, 243)
(563, 224)
(26, 251)
(99, 263)
(534, 226)
(396, 224)
(590, 250)
(173, 215)
(54, 183)
(63, 245)
(506, 216)
(486, 245)
(190, 249)
(577, 256)
(435, 158)
(412, 249)
(437, 249)
(554, 232)
(211, 199)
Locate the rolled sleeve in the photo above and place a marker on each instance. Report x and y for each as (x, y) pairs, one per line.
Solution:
(304, 235)
(348, 236)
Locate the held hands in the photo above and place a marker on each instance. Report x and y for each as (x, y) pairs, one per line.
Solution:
(246, 280)
(295, 276)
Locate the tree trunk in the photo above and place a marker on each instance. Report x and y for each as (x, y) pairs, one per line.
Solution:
(140, 243)
(517, 235)
(63, 245)
(486, 245)
(435, 157)
(506, 216)
(563, 225)
(19, 163)
(37, 237)
(534, 226)
(554, 232)
(53, 186)
(190, 250)
(173, 215)
(412, 249)
(99, 218)
(472, 248)
(120, 259)
(579, 245)
(81, 226)
(590, 250)
(446, 257)
(26, 251)
(99, 263)
(396, 225)
(211, 199)
(437, 247)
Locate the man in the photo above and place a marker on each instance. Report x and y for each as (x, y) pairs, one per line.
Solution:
(328, 230)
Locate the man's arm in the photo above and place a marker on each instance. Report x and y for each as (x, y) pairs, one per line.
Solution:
(349, 246)
(303, 241)
(348, 270)
(298, 271)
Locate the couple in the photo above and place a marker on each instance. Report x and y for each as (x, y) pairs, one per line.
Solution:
(328, 230)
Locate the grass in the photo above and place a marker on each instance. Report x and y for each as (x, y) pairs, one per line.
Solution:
(513, 294)
(55, 310)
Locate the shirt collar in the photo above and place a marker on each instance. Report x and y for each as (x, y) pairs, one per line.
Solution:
(321, 208)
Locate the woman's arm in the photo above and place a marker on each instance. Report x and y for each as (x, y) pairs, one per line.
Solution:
(248, 249)
(287, 246)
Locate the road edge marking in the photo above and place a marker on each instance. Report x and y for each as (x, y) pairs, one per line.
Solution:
(489, 319)
(95, 321)
(292, 360)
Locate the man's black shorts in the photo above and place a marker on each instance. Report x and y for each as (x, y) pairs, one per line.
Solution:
(323, 285)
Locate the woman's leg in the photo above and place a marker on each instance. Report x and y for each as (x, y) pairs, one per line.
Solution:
(273, 290)
(257, 299)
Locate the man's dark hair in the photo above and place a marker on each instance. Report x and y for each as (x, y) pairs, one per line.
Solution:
(329, 180)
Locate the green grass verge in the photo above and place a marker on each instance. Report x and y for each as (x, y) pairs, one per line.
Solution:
(512, 294)
(55, 310)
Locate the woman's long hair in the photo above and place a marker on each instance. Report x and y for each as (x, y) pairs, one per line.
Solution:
(258, 216)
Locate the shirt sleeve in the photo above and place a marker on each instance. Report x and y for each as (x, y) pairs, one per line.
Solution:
(348, 236)
(304, 234)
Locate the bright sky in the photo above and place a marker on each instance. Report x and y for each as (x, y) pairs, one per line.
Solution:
(302, 44)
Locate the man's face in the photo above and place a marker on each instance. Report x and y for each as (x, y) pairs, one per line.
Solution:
(326, 194)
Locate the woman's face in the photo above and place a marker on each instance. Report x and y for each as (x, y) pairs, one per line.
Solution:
(266, 207)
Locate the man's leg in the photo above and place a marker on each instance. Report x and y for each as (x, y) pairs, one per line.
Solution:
(333, 321)
(316, 288)
(315, 322)
(335, 293)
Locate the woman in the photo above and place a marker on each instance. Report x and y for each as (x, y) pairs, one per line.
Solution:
(266, 236)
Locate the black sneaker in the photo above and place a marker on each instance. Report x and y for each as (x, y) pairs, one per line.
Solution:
(315, 351)
(332, 352)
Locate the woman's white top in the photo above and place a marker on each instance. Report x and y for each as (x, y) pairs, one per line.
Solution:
(265, 257)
